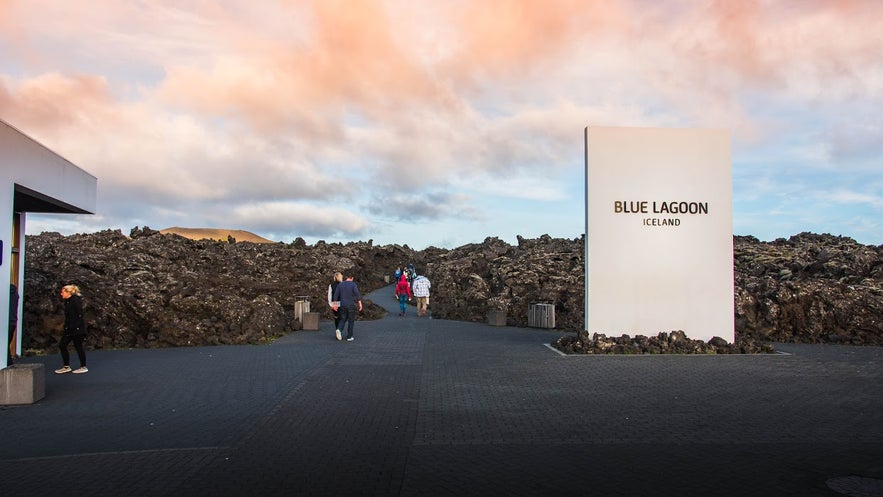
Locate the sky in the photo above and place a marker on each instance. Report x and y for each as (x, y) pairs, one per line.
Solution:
(440, 122)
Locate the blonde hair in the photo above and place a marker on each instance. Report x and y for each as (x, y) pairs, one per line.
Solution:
(71, 289)
(338, 276)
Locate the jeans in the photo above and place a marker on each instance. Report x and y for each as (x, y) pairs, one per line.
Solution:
(403, 303)
(348, 318)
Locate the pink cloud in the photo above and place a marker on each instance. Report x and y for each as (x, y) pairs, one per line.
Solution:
(510, 35)
(455, 87)
(351, 62)
(776, 45)
(52, 103)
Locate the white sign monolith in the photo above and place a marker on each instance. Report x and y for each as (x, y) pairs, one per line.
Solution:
(659, 232)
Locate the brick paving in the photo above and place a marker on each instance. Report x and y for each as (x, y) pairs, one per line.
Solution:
(418, 406)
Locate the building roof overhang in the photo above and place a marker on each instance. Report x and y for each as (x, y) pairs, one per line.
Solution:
(27, 200)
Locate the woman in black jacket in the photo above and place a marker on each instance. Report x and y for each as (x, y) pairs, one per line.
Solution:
(74, 329)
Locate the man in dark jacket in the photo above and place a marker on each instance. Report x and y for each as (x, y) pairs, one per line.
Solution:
(348, 296)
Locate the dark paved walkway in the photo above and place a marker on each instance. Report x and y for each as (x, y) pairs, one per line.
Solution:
(432, 407)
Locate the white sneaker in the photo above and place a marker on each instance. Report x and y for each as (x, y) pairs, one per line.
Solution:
(336, 333)
(63, 369)
(81, 370)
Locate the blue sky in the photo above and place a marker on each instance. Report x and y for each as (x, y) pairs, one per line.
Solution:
(440, 122)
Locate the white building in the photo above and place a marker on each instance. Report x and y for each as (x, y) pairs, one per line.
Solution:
(32, 179)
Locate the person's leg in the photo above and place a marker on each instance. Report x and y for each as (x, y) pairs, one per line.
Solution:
(351, 317)
(81, 352)
(402, 304)
(62, 346)
(343, 319)
(65, 355)
(9, 348)
(337, 319)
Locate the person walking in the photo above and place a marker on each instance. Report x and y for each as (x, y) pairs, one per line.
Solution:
(347, 296)
(403, 294)
(333, 286)
(74, 330)
(421, 287)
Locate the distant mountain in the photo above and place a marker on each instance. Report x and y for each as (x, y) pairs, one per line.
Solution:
(216, 234)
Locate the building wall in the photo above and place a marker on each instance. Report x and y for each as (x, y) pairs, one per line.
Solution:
(6, 198)
(66, 187)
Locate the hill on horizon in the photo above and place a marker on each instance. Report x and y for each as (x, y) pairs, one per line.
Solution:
(215, 234)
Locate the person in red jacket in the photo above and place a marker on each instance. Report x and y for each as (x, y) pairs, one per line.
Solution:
(403, 293)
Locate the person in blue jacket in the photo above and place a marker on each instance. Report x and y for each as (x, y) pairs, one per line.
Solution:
(347, 297)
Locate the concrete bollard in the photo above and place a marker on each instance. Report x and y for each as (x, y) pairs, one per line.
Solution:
(496, 317)
(22, 384)
(311, 321)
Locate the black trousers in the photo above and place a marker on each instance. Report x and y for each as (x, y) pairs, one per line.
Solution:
(78, 344)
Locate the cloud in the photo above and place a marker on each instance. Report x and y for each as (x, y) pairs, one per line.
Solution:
(505, 39)
(52, 102)
(299, 218)
(423, 111)
(350, 60)
(844, 196)
(423, 206)
(855, 143)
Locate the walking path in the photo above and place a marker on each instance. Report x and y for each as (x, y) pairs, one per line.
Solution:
(418, 406)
